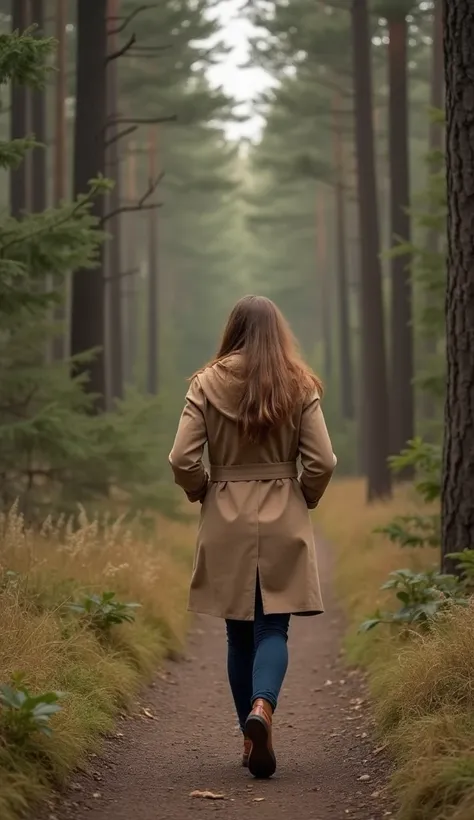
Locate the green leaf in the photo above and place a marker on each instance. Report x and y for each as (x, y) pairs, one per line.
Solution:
(367, 626)
(46, 709)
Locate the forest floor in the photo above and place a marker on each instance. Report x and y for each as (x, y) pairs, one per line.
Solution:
(182, 738)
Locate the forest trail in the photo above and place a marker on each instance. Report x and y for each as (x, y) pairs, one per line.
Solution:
(183, 737)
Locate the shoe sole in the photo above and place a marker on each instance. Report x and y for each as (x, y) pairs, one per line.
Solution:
(262, 762)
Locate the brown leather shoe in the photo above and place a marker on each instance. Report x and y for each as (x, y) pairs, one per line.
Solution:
(246, 754)
(258, 729)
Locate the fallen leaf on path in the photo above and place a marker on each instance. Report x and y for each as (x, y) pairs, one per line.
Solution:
(206, 795)
(149, 714)
(258, 799)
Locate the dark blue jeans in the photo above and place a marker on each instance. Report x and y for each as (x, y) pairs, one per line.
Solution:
(257, 658)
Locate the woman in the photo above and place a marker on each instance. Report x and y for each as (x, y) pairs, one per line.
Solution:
(257, 406)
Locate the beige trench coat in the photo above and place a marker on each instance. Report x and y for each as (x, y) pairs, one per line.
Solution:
(254, 515)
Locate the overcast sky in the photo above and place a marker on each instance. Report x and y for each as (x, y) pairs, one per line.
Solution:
(241, 83)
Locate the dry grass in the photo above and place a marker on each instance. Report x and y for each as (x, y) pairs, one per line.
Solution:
(423, 688)
(365, 558)
(55, 651)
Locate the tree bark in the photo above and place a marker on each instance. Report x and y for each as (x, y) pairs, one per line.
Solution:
(153, 276)
(373, 365)
(87, 324)
(345, 366)
(59, 346)
(38, 116)
(402, 370)
(458, 461)
(114, 256)
(19, 120)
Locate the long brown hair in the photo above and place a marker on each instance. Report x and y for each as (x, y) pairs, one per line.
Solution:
(273, 376)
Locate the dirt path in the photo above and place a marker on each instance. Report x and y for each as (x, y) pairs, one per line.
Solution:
(328, 764)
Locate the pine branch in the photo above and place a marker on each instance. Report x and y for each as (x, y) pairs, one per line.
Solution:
(145, 52)
(123, 50)
(142, 204)
(18, 408)
(65, 215)
(140, 120)
(120, 135)
(12, 153)
(126, 209)
(130, 17)
(24, 58)
(151, 188)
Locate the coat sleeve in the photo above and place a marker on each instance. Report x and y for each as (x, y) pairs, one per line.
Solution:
(188, 448)
(317, 458)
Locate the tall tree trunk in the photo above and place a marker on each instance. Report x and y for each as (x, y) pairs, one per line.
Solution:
(436, 132)
(373, 365)
(458, 461)
(114, 273)
(153, 277)
(345, 367)
(87, 323)
(38, 117)
(19, 120)
(130, 338)
(401, 348)
(322, 277)
(59, 346)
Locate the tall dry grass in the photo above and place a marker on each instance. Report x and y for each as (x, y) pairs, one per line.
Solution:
(423, 688)
(365, 558)
(55, 651)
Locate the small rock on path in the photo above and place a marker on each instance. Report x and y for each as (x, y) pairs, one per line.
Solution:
(183, 739)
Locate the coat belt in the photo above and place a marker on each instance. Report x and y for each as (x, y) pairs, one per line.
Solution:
(264, 471)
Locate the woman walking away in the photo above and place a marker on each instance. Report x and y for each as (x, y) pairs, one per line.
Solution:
(257, 406)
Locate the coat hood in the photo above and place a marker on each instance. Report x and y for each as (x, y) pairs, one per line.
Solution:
(222, 386)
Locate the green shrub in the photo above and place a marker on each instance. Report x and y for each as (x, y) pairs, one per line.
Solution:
(423, 596)
(103, 612)
(22, 714)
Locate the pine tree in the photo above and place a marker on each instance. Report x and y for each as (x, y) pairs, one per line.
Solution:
(401, 345)
(41, 410)
(114, 341)
(38, 123)
(458, 482)
(18, 120)
(88, 299)
(374, 382)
